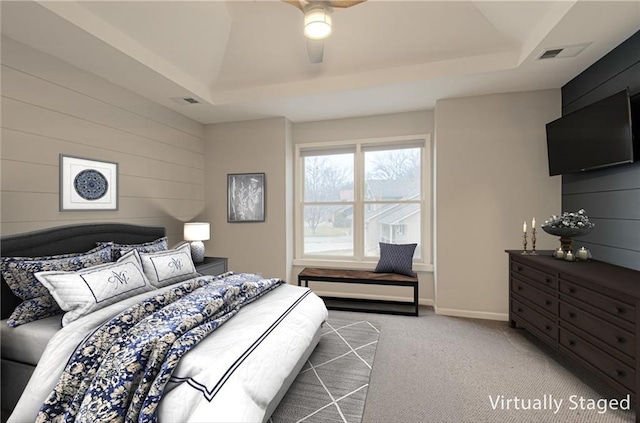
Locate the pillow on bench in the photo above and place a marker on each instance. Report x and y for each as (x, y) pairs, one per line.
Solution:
(396, 258)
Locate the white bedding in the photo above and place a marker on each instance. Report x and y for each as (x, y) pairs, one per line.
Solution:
(275, 345)
(26, 343)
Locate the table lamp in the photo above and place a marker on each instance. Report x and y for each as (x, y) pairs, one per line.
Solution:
(195, 233)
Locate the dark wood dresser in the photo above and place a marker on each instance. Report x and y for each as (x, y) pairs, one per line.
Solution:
(588, 311)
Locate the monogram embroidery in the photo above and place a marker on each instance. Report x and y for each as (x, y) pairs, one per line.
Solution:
(175, 264)
(121, 278)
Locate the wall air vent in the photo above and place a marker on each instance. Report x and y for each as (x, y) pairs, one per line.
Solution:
(562, 51)
(185, 101)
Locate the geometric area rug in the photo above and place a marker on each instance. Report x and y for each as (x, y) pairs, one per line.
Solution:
(332, 385)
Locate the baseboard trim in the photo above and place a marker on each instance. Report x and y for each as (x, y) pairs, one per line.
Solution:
(486, 315)
(421, 301)
(471, 314)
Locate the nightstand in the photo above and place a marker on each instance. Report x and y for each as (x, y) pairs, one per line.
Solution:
(212, 266)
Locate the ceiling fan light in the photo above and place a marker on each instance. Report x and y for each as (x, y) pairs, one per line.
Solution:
(317, 24)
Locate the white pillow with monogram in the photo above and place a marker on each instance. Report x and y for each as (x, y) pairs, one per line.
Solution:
(168, 267)
(84, 291)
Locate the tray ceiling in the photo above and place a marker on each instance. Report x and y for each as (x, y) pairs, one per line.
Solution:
(248, 59)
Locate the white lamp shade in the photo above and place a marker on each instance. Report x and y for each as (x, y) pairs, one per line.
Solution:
(317, 24)
(196, 231)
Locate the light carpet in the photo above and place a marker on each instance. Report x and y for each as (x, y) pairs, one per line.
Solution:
(332, 386)
(440, 369)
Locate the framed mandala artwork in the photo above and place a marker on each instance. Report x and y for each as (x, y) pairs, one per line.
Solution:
(87, 184)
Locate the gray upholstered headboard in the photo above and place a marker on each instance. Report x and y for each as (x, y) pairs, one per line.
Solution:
(68, 239)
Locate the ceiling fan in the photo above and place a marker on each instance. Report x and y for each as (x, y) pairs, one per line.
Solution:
(318, 22)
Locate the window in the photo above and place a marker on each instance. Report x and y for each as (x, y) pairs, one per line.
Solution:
(328, 204)
(352, 196)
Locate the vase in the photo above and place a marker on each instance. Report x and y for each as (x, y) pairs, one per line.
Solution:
(567, 234)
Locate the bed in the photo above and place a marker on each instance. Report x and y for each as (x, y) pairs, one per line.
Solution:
(238, 372)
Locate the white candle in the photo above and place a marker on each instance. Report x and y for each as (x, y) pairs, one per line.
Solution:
(524, 227)
(533, 223)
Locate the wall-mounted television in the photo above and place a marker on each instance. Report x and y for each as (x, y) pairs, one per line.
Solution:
(598, 135)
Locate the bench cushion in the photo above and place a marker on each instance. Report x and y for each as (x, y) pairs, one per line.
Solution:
(346, 274)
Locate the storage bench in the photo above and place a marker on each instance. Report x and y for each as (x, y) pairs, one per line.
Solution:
(408, 308)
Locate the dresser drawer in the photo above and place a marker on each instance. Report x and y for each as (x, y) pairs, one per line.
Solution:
(547, 280)
(604, 363)
(535, 319)
(540, 298)
(612, 306)
(610, 334)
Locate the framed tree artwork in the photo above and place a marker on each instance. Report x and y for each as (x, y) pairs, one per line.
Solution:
(245, 197)
(87, 184)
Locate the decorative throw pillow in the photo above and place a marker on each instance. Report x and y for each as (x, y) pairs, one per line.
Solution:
(168, 267)
(396, 258)
(37, 303)
(85, 291)
(118, 250)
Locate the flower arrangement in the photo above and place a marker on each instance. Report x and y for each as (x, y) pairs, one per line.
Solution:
(574, 220)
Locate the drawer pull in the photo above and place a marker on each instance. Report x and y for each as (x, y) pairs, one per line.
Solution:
(547, 327)
(620, 340)
(572, 315)
(548, 302)
(572, 290)
(547, 280)
(572, 343)
(620, 310)
(620, 373)
(519, 288)
(519, 268)
(519, 309)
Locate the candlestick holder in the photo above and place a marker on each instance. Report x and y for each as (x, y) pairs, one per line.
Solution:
(533, 242)
(524, 243)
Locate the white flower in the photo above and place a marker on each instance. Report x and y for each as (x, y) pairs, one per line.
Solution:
(569, 220)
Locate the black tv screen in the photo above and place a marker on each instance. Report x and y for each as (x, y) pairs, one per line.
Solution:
(598, 135)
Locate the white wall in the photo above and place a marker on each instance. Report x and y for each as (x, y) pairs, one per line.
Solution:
(50, 107)
(251, 147)
(381, 126)
(491, 175)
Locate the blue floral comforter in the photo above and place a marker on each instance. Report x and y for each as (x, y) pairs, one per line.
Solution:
(119, 371)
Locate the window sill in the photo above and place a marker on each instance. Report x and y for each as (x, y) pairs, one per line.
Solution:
(358, 265)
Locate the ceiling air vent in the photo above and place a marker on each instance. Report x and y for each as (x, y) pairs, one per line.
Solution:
(550, 54)
(185, 101)
(562, 52)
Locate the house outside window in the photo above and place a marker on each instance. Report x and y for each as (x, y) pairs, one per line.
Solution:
(350, 196)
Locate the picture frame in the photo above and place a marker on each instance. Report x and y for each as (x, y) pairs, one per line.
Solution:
(246, 197)
(87, 184)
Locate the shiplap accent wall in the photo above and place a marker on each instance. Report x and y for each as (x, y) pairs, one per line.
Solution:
(50, 107)
(610, 196)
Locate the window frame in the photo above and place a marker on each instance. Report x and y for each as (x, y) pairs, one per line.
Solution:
(359, 259)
